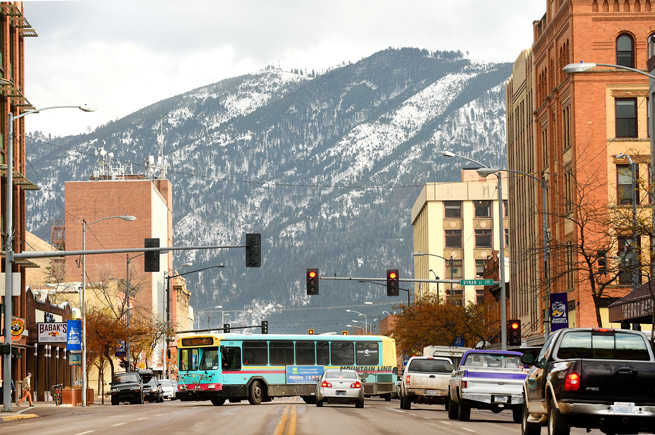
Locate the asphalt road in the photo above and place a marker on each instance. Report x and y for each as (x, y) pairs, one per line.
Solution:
(286, 416)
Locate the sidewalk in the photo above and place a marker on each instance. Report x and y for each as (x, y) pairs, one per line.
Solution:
(41, 409)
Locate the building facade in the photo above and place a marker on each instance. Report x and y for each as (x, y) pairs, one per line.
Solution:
(580, 123)
(457, 225)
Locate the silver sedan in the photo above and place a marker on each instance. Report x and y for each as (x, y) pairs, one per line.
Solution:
(340, 386)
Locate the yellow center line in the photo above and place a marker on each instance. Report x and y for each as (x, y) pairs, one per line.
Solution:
(283, 421)
(292, 422)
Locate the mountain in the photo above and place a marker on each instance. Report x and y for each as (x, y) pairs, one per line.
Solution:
(326, 167)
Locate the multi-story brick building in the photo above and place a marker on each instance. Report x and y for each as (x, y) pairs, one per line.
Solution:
(570, 133)
(458, 222)
(14, 28)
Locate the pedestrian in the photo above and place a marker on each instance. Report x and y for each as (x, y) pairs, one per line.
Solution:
(27, 384)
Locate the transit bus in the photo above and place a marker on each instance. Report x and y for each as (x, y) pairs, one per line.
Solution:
(259, 367)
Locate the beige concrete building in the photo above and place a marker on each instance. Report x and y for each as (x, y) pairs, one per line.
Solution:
(457, 221)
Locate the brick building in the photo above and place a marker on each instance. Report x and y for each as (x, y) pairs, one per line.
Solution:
(570, 132)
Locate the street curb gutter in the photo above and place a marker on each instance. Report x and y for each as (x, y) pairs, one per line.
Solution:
(19, 417)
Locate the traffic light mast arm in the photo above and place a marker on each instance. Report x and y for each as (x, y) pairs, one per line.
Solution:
(51, 254)
(350, 278)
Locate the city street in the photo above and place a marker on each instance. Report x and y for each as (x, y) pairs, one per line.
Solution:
(281, 416)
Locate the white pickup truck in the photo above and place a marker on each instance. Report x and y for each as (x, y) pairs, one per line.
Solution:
(425, 380)
(487, 379)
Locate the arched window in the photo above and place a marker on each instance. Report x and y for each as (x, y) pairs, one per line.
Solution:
(625, 51)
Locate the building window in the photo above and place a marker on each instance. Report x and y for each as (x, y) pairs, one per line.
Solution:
(482, 208)
(479, 268)
(625, 51)
(483, 238)
(570, 265)
(624, 184)
(453, 238)
(505, 208)
(568, 190)
(626, 117)
(453, 209)
(456, 269)
(629, 260)
(506, 236)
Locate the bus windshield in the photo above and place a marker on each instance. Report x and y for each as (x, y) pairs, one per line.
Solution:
(209, 360)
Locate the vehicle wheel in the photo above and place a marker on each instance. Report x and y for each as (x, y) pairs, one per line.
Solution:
(517, 414)
(319, 403)
(464, 412)
(114, 400)
(218, 402)
(528, 428)
(310, 400)
(453, 409)
(142, 399)
(359, 404)
(556, 423)
(256, 393)
(387, 397)
(405, 402)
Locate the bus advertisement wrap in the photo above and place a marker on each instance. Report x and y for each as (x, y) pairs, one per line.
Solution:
(304, 374)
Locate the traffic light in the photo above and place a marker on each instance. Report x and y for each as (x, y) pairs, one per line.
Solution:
(264, 327)
(312, 282)
(344, 332)
(310, 331)
(392, 282)
(514, 333)
(602, 262)
(151, 261)
(253, 250)
(226, 328)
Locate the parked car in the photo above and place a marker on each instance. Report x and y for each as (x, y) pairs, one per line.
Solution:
(127, 387)
(487, 379)
(152, 390)
(591, 378)
(169, 388)
(425, 380)
(340, 386)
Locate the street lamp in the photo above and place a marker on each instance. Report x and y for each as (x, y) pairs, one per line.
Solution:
(365, 318)
(452, 269)
(9, 238)
(437, 278)
(485, 172)
(501, 249)
(573, 68)
(86, 224)
(633, 185)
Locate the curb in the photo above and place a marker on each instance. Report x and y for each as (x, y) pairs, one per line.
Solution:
(19, 417)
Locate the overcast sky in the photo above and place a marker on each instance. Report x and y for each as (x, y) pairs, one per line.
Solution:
(122, 55)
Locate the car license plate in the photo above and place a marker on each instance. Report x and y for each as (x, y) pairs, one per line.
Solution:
(623, 408)
(501, 399)
(341, 392)
(431, 392)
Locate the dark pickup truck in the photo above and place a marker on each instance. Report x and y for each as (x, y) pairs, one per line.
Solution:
(592, 378)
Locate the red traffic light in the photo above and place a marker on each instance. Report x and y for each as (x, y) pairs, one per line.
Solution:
(393, 275)
(312, 274)
(515, 325)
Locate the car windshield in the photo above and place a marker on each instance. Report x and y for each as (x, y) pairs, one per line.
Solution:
(338, 374)
(152, 382)
(493, 360)
(430, 366)
(166, 383)
(124, 378)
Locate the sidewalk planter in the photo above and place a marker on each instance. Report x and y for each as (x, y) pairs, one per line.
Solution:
(71, 396)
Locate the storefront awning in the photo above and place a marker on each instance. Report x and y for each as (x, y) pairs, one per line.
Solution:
(635, 307)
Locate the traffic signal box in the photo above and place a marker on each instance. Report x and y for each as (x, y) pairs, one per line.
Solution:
(344, 332)
(392, 282)
(514, 333)
(226, 328)
(253, 250)
(264, 327)
(312, 282)
(151, 258)
(310, 331)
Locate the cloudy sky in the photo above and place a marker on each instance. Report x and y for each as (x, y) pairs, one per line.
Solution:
(122, 55)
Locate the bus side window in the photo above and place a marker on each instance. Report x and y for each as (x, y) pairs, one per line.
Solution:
(231, 358)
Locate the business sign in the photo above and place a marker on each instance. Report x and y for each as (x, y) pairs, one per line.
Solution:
(559, 317)
(304, 374)
(121, 349)
(74, 335)
(17, 328)
(51, 332)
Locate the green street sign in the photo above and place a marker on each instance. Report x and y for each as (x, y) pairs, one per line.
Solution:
(476, 282)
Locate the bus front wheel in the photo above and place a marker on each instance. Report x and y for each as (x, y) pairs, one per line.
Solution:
(218, 402)
(256, 393)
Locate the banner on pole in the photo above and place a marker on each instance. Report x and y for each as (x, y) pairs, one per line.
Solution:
(74, 335)
(559, 316)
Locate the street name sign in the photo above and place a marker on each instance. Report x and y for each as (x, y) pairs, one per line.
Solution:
(476, 282)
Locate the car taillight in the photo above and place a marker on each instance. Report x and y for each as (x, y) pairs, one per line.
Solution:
(463, 384)
(407, 379)
(572, 382)
(356, 385)
(326, 384)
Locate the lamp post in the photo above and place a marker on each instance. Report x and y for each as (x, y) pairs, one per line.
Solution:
(633, 185)
(485, 172)
(501, 250)
(437, 278)
(127, 309)
(452, 270)
(9, 238)
(365, 318)
(86, 224)
(574, 68)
